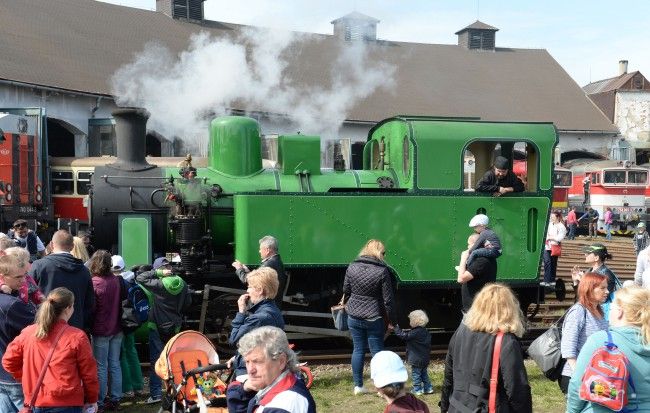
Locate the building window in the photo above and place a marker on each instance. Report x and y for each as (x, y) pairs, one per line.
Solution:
(101, 137)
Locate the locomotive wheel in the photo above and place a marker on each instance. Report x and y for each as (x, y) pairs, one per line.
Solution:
(221, 311)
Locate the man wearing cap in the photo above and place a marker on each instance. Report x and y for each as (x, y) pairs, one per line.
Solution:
(171, 298)
(500, 180)
(270, 258)
(62, 269)
(26, 238)
(641, 238)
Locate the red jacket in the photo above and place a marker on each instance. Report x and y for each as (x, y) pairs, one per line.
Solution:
(71, 364)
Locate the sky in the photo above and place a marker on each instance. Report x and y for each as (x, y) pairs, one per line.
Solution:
(587, 38)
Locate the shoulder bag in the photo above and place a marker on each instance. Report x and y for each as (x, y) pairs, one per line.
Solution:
(28, 408)
(494, 376)
(340, 316)
(556, 250)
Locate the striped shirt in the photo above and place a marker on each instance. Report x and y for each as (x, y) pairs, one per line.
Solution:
(578, 324)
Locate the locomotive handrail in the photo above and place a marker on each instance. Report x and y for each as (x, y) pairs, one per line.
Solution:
(106, 177)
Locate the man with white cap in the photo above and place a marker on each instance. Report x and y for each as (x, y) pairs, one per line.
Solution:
(488, 243)
(500, 180)
(389, 375)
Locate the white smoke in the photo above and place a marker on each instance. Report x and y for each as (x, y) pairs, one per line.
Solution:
(215, 75)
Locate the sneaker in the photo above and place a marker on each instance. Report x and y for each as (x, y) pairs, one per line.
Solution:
(128, 394)
(360, 390)
(418, 392)
(153, 400)
(428, 391)
(112, 406)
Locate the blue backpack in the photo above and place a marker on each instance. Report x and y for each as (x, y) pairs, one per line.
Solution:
(139, 297)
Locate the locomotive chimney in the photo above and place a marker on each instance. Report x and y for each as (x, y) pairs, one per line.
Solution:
(131, 129)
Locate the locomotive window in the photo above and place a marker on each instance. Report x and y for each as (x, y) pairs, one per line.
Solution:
(562, 179)
(614, 177)
(637, 177)
(62, 183)
(83, 182)
(595, 178)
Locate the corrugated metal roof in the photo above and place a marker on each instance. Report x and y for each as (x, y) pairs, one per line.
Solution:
(79, 44)
(605, 85)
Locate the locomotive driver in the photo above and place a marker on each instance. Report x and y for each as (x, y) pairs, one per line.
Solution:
(500, 180)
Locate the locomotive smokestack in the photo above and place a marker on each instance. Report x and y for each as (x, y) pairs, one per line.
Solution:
(131, 131)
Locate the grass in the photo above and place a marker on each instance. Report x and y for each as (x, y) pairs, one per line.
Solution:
(332, 391)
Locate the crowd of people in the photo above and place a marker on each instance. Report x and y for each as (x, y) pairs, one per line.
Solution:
(67, 325)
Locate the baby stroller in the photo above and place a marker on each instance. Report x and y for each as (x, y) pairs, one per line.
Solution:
(189, 366)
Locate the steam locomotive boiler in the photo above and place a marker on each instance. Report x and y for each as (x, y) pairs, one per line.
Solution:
(412, 193)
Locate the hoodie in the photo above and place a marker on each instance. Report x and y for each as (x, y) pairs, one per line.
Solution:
(407, 404)
(63, 270)
(171, 297)
(628, 340)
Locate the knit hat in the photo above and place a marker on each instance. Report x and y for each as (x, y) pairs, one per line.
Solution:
(387, 368)
(480, 219)
(159, 262)
(501, 163)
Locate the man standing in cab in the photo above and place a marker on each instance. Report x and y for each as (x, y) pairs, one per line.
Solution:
(500, 180)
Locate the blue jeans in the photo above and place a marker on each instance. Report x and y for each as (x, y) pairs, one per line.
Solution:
(608, 231)
(421, 380)
(11, 397)
(107, 353)
(57, 409)
(365, 334)
(572, 231)
(155, 348)
(550, 266)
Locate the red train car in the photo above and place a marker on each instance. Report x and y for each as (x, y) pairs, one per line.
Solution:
(620, 185)
(562, 179)
(23, 174)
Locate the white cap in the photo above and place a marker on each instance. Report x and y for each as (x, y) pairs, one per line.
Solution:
(117, 263)
(386, 368)
(479, 219)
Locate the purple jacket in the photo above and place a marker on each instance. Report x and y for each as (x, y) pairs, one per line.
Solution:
(108, 301)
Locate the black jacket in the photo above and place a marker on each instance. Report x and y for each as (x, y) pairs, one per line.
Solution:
(466, 384)
(274, 262)
(14, 316)
(368, 289)
(64, 270)
(418, 345)
(490, 183)
(168, 306)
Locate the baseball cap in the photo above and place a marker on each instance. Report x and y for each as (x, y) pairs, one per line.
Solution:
(386, 368)
(159, 262)
(117, 263)
(641, 225)
(598, 249)
(480, 219)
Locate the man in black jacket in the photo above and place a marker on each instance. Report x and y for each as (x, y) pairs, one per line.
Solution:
(270, 258)
(61, 269)
(500, 180)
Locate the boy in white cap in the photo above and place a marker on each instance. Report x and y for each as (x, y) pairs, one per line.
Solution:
(389, 375)
(488, 244)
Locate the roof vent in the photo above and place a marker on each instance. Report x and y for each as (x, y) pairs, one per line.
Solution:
(477, 35)
(355, 26)
(181, 9)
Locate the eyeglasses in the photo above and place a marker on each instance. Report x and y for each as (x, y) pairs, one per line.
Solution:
(20, 226)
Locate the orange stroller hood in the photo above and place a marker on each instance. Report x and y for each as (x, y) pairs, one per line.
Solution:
(184, 343)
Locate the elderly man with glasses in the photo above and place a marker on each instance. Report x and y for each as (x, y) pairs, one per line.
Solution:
(26, 238)
(15, 315)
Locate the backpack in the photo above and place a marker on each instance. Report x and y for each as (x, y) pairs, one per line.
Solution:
(606, 378)
(140, 298)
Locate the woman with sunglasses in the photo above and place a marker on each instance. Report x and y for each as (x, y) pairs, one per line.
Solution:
(583, 319)
(368, 292)
(595, 256)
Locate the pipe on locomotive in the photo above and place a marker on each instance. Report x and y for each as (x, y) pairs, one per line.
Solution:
(131, 132)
